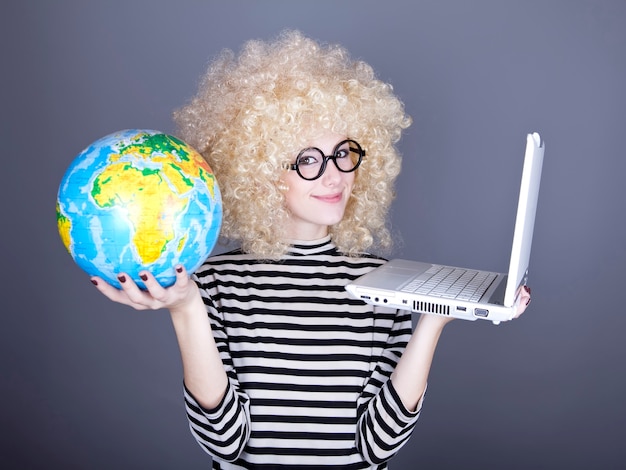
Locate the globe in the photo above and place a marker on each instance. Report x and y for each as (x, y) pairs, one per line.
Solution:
(138, 200)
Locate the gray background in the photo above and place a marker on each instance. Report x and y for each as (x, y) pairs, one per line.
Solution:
(89, 384)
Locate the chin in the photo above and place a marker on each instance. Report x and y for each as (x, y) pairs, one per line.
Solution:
(333, 221)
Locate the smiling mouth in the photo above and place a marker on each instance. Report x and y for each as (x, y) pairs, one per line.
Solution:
(330, 198)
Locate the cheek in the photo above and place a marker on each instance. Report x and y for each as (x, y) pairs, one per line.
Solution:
(350, 181)
(290, 180)
(289, 199)
(291, 189)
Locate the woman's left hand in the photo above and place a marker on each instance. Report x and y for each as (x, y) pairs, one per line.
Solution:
(523, 300)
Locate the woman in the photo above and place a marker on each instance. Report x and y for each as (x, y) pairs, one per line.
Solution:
(281, 367)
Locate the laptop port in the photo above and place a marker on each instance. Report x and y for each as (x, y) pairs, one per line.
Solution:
(460, 308)
(481, 312)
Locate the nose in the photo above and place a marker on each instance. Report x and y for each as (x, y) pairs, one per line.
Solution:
(331, 174)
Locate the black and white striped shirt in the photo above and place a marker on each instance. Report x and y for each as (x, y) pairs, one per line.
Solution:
(308, 366)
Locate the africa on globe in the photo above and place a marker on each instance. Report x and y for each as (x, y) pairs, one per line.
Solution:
(139, 200)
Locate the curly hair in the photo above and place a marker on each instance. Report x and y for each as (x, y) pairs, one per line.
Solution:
(254, 112)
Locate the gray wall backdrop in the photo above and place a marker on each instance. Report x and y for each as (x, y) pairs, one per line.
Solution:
(87, 384)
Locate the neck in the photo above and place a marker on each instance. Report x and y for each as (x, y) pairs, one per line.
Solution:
(309, 232)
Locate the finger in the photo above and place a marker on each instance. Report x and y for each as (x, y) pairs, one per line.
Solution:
(527, 290)
(167, 297)
(526, 295)
(153, 287)
(106, 289)
(523, 300)
(139, 299)
(111, 292)
(182, 277)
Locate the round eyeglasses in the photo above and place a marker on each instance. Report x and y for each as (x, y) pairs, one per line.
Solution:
(311, 162)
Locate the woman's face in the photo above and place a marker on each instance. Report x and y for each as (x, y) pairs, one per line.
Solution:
(316, 205)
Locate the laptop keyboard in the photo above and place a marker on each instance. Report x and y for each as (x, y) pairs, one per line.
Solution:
(451, 283)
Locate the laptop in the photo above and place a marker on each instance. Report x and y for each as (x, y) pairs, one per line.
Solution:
(468, 294)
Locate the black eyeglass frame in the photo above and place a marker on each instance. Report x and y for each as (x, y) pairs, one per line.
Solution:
(357, 148)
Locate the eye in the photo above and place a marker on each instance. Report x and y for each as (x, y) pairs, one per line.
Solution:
(307, 159)
(342, 153)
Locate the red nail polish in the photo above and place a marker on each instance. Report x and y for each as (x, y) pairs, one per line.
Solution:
(94, 282)
(122, 278)
(179, 269)
(143, 277)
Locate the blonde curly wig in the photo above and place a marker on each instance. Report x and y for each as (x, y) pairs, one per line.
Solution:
(254, 112)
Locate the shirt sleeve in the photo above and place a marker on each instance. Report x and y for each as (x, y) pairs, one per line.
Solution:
(384, 423)
(224, 431)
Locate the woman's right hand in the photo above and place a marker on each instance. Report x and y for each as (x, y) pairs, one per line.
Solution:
(181, 295)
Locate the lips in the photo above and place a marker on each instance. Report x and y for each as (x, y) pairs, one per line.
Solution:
(330, 198)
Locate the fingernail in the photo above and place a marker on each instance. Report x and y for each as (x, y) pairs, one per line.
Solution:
(528, 301)
(122, 278)
(527, 289)
(144, 277)
(179, 269)
(94, 282)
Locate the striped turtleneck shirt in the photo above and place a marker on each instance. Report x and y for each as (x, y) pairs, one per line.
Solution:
(308, 365)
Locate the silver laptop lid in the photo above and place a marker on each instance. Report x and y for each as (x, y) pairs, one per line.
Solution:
(525, 219)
